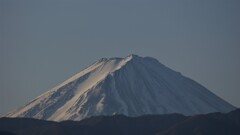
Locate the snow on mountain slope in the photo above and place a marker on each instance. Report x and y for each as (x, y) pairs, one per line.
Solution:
(132, 86)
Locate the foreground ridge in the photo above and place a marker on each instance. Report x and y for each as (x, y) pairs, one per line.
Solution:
(168, 124)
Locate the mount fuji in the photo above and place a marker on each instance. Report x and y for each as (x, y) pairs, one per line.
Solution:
(132, 86)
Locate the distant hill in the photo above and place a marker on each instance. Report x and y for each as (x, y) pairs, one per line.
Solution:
(167, 124)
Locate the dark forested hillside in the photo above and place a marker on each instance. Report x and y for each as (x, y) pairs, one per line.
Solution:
(168, 124)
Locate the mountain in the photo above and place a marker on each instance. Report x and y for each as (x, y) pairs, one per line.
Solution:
(167, 124)
(132, 86)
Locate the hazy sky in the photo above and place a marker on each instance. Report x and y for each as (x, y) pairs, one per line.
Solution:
(44, 42)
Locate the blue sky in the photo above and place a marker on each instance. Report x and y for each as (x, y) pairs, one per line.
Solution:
(42, 43)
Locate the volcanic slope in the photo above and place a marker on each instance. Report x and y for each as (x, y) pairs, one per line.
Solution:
(132, 86)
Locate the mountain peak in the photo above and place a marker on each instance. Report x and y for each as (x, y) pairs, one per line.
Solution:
(116, 86)
(127, 58)
(133, 56)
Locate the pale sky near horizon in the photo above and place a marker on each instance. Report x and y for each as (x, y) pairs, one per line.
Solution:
(43, 43)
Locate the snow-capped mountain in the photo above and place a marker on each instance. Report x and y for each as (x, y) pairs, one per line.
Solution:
(131, 86)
